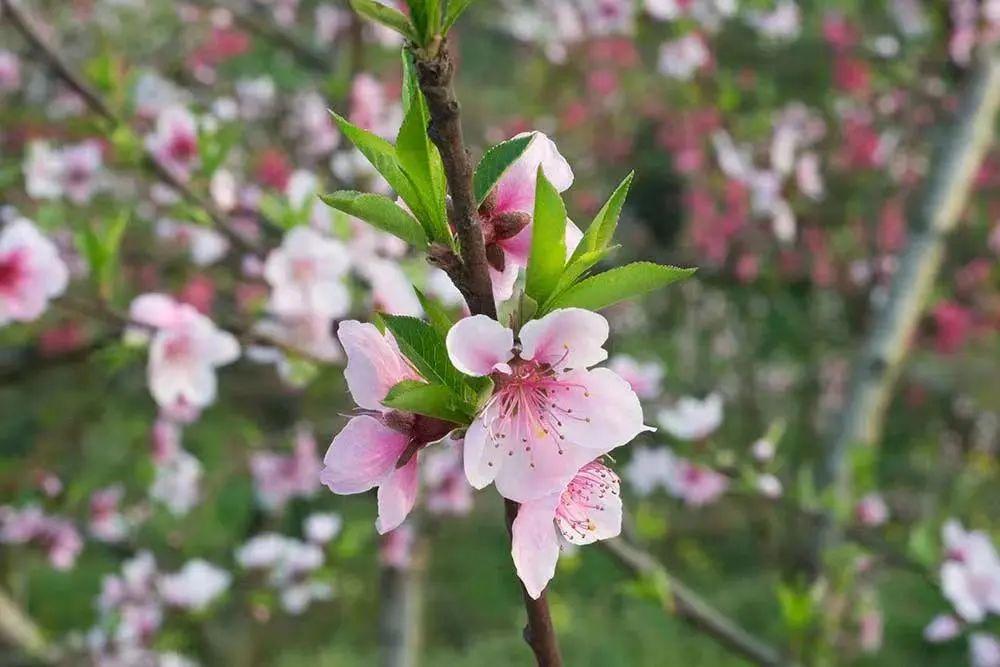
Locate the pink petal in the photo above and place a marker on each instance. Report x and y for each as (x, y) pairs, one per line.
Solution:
(535, 544)
(591, 507)
(361, 455)
(396, 496)
(478, 344)
(566, 338)
(374, 363)
(606, 413)
(158, 310)
(477, 469)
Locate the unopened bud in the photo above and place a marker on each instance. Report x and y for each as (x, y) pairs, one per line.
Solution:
(495, 256)
(508, 225)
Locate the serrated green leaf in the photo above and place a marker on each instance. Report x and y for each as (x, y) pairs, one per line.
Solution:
(495, 164)
(548, 241)
(602, 228)
(382, 156)
(432, 400)
(387, 16)
(436, 315)
(619, 284)
(454, 10)
(425, 348)
(575, 269)
(380, 212)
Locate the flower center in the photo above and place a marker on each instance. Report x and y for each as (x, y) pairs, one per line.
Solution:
(13, 272)
(584, 495)
(178, 349)
(182, 148)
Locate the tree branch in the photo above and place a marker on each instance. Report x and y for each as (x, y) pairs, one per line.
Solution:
(17, 629)
(400, 608)
(948, 186)
(435, 72)
(96, 103)
(678, 599)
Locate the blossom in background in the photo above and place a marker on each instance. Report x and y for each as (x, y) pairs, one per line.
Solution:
(643, 377)
(177, 482)
(371, 109)
(290, 565)
(321, 527)
(369, 451)
(506, 212)
(306, 274)
(649, 469)
(174, 141)
(185, 350)
(31, 272)
(984, 650)
(692, 419)
(392, 290)
(206, 245)
(58, 537)
(195, 586)
(396, 547)
(970, 575)
(769, 486)
(782, 23)
(280, 477)
(588, 509)
(683, 57)
(695, 484)
(70, 172)
(548, 415)
(10, 72)
(448, 492)
(107, 523)
(942, 628)
(871, 510)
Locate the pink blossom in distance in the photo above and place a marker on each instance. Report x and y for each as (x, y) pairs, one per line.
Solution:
(174, 141)
(643, 377)
(306, 275)
(970, 575)
(548, 415)
(691, 418)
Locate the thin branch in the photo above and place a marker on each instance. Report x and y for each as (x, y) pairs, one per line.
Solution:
(18, 630)
(435, 72)
(400, 608)
(947, 190)
(96, 103)
(680, 600)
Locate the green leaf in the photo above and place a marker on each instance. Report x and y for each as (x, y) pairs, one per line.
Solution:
(387, 16)
(424, 347)
(419, 158)
(101, 248)
(548, 241)
(380, 212)
(602, 229)
(620, 284)
(432, 400)
(454, 10)
(426, 17)
(577, 268)
(495, 164)
(436, 315)
(382, 156)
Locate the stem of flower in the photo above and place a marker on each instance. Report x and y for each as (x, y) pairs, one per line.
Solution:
(436, 73)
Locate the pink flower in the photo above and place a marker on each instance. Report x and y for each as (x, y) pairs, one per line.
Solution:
(107, 523)
(942, 628)
(174, 142)
(371, 109)
(970, 576)
(58, 537)
(321, 527)
(381, 447)
(872, 510)
(691, 418)
(278, 478)
(506, 212)
(177, 482)
(588, 509)
(696, 485)
(984, 650)
(31, 272)
(549, 415)
(649, 469)
(306, 275)
(871, 631)
(195, 586)
(392, 290)
(186, 349)
(10, 72)
(643, 377)
(953, 326)
(683, 57)
(81, 164)
(448, 492)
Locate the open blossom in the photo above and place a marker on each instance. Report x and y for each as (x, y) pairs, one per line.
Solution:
(984, 650)
(306, 274)
(588, 509)
(691, 418)
(379, 448)
(649, 469)
(506, 213)
(69, 172)
(682, 57)
(371, 109)
(186, 349)
(58, 537)
(107, 523)
(548, 415)
(321, 527)
(643, 377)
(177, 482)
(290, 565)
(871, 510)
(195, 586)
(448, 492)
(31, 272)
(696, 484)
(392, 290)
(278, 477)
(174, 141)
(970, 575)
(942, 628)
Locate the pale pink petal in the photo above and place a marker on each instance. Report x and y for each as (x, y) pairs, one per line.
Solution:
(158, 310)
(396, 496)
(535, 544)
(529, 474)
(566, 338)
(478, 344)
(517, 248)
(361, 455)
(474, 454)
(602, 410)
(374, 363)
(590, 509)
(504, 281)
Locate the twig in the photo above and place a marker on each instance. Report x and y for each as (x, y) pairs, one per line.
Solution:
(19, 630)
(680, 600)
(97, 104)
(435, 71)
(948, 186)
(400, 607)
